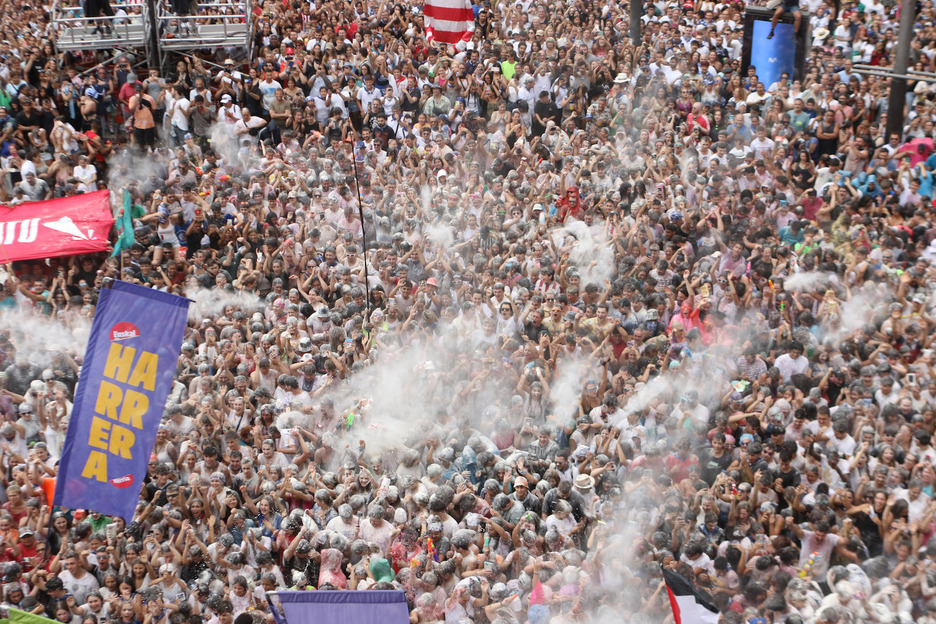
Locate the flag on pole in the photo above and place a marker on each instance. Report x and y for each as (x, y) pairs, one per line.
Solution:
(689, 605)
(125, 217)
(125, 379)
(449, 21)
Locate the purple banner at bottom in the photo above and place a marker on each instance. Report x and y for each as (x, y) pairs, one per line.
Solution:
(344, 607)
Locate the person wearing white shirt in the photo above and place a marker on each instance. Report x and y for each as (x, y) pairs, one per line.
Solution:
(268, 87)
(179, 111)
(762, 146)
(874, 6)
(228, 76)
(200, 89)
(792, 363)
(85, 172)
(247, 126)
(229, 113)
(722, 24)
(527, 92)
(689, 406)
(368, 93)
(671, 75)
(739, 151)
(841, 441)
(917, 501)
(758, 97)
(889, 392)
(842, 36)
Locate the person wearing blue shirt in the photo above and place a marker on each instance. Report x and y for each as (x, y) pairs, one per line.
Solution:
(926, 181)
(791, 234)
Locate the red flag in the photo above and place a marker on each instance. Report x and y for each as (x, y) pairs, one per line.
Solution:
(57, 227)
(449, 21)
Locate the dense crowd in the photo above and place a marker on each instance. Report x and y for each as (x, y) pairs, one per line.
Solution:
(510, 325)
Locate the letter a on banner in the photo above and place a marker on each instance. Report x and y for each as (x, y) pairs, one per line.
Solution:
(125, 380)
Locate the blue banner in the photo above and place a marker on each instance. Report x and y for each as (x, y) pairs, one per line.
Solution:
(772, 57)
(125, 379)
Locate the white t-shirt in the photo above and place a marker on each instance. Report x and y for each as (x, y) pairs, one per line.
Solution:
(268, 89)
(179, 117)
(348, 529)
(762, 149)
(823, 551)
(79, 588)
(86, 175)
(252, 123)
(789, 367)
(379, 536)
(230, 115)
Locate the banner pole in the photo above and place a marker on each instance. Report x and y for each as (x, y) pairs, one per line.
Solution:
(46, 557)
(278, 618)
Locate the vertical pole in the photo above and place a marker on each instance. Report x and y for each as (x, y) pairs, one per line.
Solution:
(898, 87)
(152, 12)
(636, 11)
(360, 200)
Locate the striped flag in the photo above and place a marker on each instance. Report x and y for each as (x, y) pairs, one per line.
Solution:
(448, 21)
(688, 603)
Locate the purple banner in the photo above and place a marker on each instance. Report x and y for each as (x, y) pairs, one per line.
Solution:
(125, 380)
(344, 607)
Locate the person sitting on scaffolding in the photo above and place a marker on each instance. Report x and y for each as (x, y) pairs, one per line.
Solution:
(782, 6)
(183, 8)
(94, 9)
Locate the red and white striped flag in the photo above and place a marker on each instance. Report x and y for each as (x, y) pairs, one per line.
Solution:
(448, 21)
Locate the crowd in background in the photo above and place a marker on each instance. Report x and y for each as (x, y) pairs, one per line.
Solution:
(510, 325)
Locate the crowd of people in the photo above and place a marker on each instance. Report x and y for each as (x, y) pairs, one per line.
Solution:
(511, 325)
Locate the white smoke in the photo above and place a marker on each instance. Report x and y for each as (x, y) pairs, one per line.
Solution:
(223, 142)
(861, 308)
(441, 235)
(589, 251)
(809, 281)
(566, 387)
(39, 337)
(211, 303)
(127, 166)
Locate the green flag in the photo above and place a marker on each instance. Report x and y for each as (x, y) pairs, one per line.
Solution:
(24, 617)
(124, 223)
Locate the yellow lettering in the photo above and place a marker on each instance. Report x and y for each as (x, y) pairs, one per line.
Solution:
(96, 466)
(119, 362)
(108, 400)
(121, 442)
(145, 371)
(134, 406)
(99, 432)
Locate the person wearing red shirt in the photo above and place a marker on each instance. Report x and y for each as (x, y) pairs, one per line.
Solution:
(677, 464)
(15, 505)
(571, 205)
(28, 553)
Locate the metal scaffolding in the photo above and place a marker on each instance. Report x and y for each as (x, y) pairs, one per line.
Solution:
(150, 28)
(228, 26)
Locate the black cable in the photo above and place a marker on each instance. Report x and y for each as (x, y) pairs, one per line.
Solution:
(360, 200)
